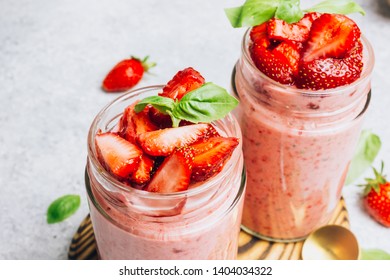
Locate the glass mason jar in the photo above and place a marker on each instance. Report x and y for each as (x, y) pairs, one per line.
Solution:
(202, 222)
(297, 147)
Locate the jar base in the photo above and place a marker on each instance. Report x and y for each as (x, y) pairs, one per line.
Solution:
(271, 239)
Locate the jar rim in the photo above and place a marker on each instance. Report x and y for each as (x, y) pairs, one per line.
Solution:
(93, 158)
(367, 70)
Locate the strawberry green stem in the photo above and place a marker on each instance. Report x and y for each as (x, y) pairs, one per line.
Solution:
(147, 64)
(374, 183)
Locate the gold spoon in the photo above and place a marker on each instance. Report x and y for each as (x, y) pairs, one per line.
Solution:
(331, 242)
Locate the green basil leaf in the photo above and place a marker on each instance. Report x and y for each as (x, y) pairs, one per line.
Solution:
(62, 208)
(161, 103)
(374, 254)
(366, 151)
(289, 11)
(337, 7)
(205, 104)
(253, 12)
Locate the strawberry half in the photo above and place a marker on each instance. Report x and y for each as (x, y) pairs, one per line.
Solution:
(278, 29)
(328, 73)
(210, 156)
(174, 174)
(183, 82)
(331, 36)
(142, 173)
(118, 155)
(126, 74)
(164, 141)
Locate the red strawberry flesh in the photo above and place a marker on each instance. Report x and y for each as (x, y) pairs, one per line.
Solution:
(329, 73)
(278, 29)
(118, 155)
(164, 141)
(259, 36)
(183, 82)
(331, 36)
(273, 64)
(142, 173)
(132, 124)
(210, 156)
(174, 174)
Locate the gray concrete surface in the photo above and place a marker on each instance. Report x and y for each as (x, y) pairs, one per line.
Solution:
(53, 57)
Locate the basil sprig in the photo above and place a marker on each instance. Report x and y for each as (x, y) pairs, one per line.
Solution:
(255, 12)
(366, 151)
(205, 104)
(62, 208)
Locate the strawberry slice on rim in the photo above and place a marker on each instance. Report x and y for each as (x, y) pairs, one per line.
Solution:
(119, 156)
(331, 36)
(183, 82)
(174, 174)
(164, 141)
(210, 156)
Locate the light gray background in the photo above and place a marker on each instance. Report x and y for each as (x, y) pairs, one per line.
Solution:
(53, 57)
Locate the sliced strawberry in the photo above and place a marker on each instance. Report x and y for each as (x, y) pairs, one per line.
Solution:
(291, 52)
(259, 36)
(142, 122)
(164, 141)
(328, 73)
(132, 124)
(119, 156)
(210, 156)
(278, 29)
(142, 173)
(174, 174)
(211, 132)
(331, 36)
(184, 81)
(273, 63)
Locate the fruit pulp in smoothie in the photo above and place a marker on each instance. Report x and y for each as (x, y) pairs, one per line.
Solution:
(299, 126)
(162, 192)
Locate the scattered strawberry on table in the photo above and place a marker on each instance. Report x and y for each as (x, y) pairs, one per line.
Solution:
(126, 74)
(150, 153)
(377, 197)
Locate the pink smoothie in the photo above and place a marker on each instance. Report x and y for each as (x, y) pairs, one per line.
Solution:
(297, 148)
(206, 227)
(202, 222)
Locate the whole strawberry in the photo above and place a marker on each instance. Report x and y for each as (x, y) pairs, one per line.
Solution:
(126, 74)
(377, 198)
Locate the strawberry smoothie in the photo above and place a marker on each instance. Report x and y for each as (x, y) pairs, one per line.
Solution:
(200, 222)
(297, 147)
